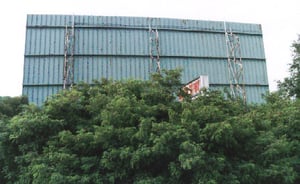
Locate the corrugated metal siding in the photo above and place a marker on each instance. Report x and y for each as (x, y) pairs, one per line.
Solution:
(140, 22)
(118, 68)
(49, 70)
(43, 71)
(118, 48)
(38, 94)
(254, 94)
(97, 41)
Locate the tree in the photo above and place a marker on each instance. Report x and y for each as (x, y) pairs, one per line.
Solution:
(138, 132)
(290, 86)
(11, 106)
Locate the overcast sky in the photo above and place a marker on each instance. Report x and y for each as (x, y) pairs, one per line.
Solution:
(280, 22)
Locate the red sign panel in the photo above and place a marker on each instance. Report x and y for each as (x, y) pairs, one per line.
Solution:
(194, 87)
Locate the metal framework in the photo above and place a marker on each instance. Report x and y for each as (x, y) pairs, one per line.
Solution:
(154, 49)
(68, 75)
(235, 65)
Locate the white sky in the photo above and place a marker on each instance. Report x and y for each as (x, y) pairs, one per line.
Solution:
(280, 22)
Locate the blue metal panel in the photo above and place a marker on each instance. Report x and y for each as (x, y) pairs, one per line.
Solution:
(254, 94)
(118, 48)
(96, 41)
(49, 70)
(138, 22)
(252, 46)
(244, 28)
(39, 94)
(44, 41)
(255, 72)
(89, 68)
(43, 70)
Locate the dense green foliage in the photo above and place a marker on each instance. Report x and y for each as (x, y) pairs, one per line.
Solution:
(138, 132)
(11, 106)
(291, 85)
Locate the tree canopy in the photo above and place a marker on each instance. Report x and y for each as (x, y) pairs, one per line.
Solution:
(11, 106)
(138, 132)
(290, 86)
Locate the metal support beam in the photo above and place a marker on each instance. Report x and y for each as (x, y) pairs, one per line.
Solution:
(235, 65)
(154, 50)
(68, 75)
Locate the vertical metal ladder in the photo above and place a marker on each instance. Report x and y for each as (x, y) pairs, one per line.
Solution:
(68, 72)
(154, 50)
(235, 65)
